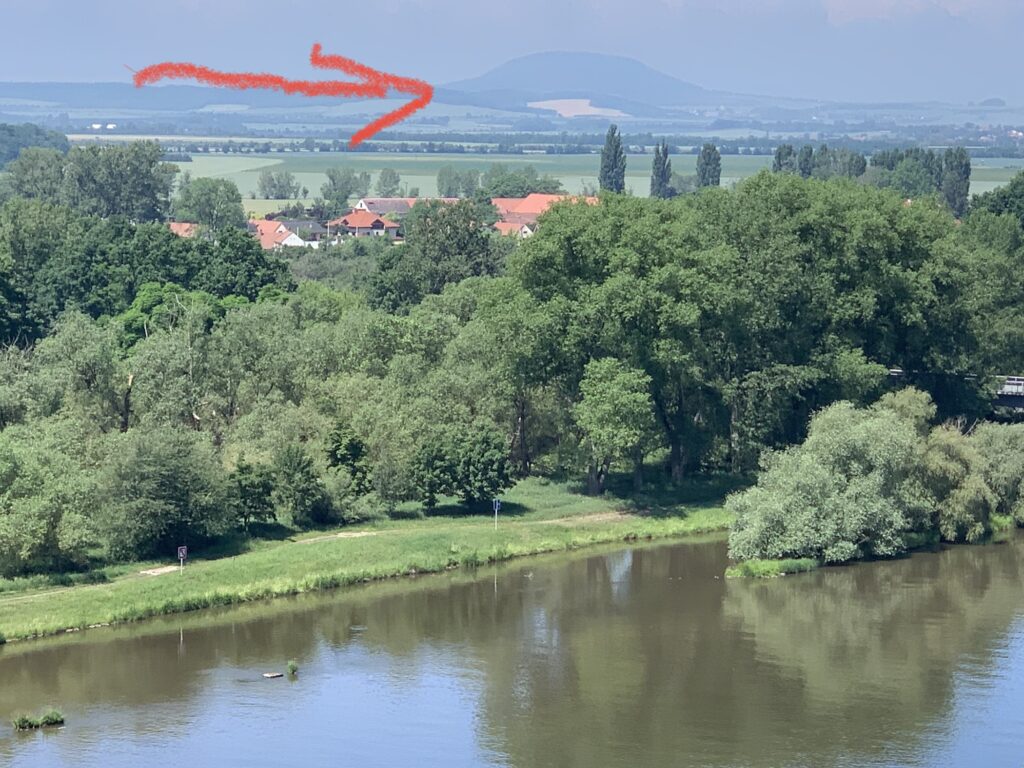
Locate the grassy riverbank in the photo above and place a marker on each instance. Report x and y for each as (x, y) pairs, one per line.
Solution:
(537, 517)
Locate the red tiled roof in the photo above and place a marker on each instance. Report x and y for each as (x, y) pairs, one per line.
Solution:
(506, 205)
(182, 228)
(267, 231)
(361, 220)
(507, 227)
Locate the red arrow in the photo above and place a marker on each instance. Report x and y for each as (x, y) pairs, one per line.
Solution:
(375, 84)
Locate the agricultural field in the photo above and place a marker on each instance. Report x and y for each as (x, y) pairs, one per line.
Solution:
(420, 169)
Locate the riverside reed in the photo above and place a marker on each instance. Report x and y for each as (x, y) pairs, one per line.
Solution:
(537, 518)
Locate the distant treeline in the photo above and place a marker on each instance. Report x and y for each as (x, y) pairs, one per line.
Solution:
(14, 138)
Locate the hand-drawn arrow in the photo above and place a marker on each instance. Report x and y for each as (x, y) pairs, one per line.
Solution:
(375, 84)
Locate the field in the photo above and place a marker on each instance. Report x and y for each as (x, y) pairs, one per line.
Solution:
(420, 169)
(537, 516)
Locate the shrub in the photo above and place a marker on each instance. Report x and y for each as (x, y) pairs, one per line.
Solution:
(850, 490)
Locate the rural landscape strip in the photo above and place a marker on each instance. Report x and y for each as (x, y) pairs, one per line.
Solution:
(413, 547)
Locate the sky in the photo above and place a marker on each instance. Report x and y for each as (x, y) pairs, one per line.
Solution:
(857, 50)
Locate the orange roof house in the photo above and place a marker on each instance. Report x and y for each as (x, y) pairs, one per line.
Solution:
(274, 234)
(360, 223)
(519, 214)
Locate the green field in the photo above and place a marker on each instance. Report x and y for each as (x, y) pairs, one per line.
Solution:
(420, 169)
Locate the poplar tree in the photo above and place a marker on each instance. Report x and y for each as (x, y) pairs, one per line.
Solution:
(709, 167)
(661, 172)
(613, 162)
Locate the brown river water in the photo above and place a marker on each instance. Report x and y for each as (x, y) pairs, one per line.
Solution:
(618, 657)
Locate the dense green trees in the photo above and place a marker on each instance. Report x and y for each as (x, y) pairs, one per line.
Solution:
(691, 332)
(52, 258)
(127, 180)
(15, 138)
(501, 181)
(444, 244)
(612, 175)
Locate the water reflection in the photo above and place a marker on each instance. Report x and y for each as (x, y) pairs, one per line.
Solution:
(636, 657)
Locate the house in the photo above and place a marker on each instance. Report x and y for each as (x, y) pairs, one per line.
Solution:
(395, 206)
(518, 215)
(183, 228)
(274, 234)
(308, 229)
(363, 223)
(516, 229)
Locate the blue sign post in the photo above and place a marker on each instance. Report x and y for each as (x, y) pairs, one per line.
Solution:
(182, 557)
(497, 507)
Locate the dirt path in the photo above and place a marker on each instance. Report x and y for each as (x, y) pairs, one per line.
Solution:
(342, 535)
(597, 517)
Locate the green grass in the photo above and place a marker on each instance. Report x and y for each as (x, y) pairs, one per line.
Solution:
(769, 569)
(48, 719)
(537, 516)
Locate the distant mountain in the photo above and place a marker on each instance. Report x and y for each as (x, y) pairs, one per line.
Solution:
(613, 82)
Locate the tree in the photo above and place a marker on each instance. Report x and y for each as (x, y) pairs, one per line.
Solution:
(470, 463)
(1008, 199)
(444, 244)
(250, 490)
(805, 161)
(502, 181)
(388, 183)
(342, 184)
(277, 185)
(956, 180)
(213, 203)
(347, 451)
(161, 487)
(129, 180)
(661, 172)
(785, 159)
(615, 416)
(449, 182)
(612, 175)
(298, 492)
(15, 138)
(46, 503)
(37, 173)
(709, 167)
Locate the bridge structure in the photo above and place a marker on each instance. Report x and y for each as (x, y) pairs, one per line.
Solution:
(1009, 393)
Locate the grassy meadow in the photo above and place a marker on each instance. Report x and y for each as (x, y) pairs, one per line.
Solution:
(420, 169)
(537, 516)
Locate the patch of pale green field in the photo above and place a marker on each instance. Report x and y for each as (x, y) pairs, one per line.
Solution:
(420, 169)
(574, 171)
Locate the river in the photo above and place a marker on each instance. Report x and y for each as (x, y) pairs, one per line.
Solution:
(620, 658)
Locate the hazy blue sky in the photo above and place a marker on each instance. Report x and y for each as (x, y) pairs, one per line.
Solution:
(956, 50)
